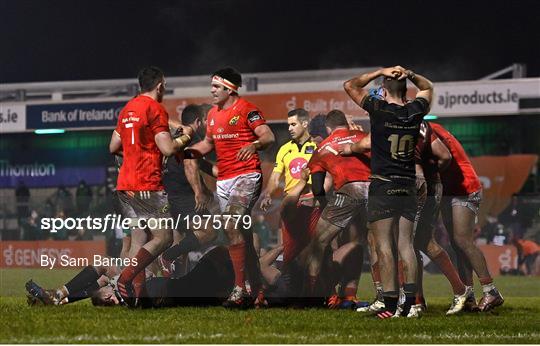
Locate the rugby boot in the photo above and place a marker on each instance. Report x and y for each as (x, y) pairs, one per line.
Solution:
(470, 302)
(459, 302)
(39, 293)
(333, 301)
(238, 299)
(490, 300)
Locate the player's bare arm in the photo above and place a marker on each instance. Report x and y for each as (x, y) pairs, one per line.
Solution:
(359, 147)
(265, 138)
(266, 196)
(202, 197)
(444, 157)
(168, 146)
(115, 146)
(422, 83)
(355, 87)
(289, 202)
(199, 149)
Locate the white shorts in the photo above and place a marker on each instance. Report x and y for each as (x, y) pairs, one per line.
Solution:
(243, 190)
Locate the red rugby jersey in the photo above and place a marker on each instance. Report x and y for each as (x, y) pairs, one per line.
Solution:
(423, 154)
(343, 169)
(231, 129)
(460, 178)
(138, 123)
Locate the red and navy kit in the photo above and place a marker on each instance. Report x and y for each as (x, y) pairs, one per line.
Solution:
(343, 169)
(138, 123)
(231, 129)
(460, 178)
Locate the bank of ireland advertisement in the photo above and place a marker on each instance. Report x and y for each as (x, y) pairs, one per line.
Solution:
(73, 115)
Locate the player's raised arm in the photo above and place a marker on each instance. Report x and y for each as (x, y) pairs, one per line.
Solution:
(422, 83)
(355, 86)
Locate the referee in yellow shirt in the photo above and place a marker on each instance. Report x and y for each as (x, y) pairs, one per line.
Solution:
(291, 158)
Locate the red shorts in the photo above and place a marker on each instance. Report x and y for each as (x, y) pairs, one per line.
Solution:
(298, 232)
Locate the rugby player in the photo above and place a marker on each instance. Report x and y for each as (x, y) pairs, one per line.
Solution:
(395, 127)
(462, 193)
(142, 136)
(350, 176)
(187, 194)
(236, 129)
(431, 156)
(291, 158)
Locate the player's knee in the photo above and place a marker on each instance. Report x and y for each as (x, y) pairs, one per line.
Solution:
(235, 209)
(433, 249)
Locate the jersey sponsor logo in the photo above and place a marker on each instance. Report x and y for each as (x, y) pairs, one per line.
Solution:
(234, 120)
(220, 130)
(226, 136)
(310, 149)
(296, 166)
(253, 116)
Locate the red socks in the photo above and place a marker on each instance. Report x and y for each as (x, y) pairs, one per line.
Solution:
(144, 258)
(238, 258)
(445, 265)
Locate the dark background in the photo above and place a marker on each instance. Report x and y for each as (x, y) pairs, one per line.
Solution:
(445, 40)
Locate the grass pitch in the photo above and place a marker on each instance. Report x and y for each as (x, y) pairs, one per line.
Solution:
(515, 322)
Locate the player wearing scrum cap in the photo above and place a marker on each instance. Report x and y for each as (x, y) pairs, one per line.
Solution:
(236, 130)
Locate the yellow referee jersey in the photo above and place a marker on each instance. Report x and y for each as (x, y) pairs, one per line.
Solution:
(291, 158)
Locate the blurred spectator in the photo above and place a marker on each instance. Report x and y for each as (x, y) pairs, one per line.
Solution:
(83, 198)
(500, 237)
(60, 234)
(63, 200)
(527, 253)
(22, 198)
(512, 217)
(31, 227)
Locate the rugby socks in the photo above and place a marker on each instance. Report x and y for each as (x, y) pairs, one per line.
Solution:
(376, 276)
(144, 258)
(390, 301)
(445, 265)
(350, 291)
(401, 275)
(488, 286)
(138, 283)
(84, 279)
(410, 297)
(189, 243)
(238, 258)
(75, 296)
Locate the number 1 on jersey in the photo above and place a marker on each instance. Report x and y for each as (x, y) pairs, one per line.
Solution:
(130, 126)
